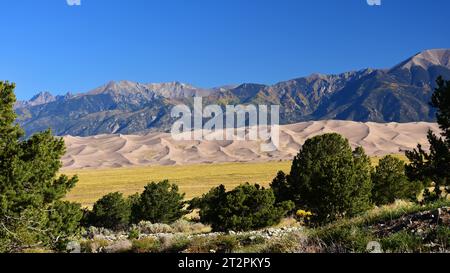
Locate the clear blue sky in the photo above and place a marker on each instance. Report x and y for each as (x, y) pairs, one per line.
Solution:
(47, 45)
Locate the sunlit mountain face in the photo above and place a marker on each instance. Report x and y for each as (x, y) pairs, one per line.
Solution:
(399, 94)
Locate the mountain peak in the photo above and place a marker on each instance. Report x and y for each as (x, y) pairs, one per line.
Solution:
(39, 99)
(173, 89)
(42, 98)
(428, 58)
(116, 87)
(175, 85)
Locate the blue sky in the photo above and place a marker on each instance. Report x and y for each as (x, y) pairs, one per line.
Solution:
(47, 45)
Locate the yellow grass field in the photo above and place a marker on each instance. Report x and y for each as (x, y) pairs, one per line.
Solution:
(194, 180)
(376, 159)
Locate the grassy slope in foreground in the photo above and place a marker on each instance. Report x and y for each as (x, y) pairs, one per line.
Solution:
(402, 227)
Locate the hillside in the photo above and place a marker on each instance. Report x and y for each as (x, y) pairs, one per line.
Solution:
(399, 94)
(398, 228)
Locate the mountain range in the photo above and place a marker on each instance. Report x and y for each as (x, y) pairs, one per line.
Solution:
(399, 94)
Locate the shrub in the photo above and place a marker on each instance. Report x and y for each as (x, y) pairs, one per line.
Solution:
(343, 238)
(184, 226)
(175, 244)
(402, 242)
(159, 203)
(226, 244)
(304, 216)
(330, 180)
(112, 211)
(146, 245)
(200, 245)
(63, 222)
(291, 243)
(246, 207)
(149, 228)
(93, 246)
(134, 233)
(441, 236)
(219, 244)
(391, 183)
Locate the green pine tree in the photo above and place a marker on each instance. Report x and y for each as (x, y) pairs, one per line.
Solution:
(434, 166)
(29, 184)
(390, 182)
(112, 211)
(245, 208)
(329, 179)
(159, 203)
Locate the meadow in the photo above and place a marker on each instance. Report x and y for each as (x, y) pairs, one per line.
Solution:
(193, 180)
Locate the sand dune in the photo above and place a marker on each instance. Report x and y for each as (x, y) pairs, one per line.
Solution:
(112, 151)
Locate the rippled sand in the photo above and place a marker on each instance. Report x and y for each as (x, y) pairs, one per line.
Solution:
(106, 151)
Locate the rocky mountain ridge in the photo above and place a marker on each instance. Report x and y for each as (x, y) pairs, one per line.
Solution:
(400, 94)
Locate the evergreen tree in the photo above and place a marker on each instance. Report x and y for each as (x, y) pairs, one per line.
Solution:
(246, 207)
(29, 184)
(63, 221)
(280, 187)
(391, 183)
(361, 194)
(133, 202)
(159, 203)
(213, 207)
(329, 179)
(441, 101)
(434, 167)
(112, 211)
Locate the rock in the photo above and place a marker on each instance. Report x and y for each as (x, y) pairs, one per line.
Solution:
(374, 247)
(73, 247)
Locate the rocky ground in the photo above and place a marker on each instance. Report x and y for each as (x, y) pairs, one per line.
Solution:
(430, 230)
(107, 241)
(415, 223)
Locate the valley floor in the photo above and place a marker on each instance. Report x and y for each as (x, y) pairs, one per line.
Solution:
(193, 180)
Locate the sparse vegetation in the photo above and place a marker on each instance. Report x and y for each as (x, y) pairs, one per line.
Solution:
(343, 236)
(146, 245)
(353, 235)
(402, 242)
